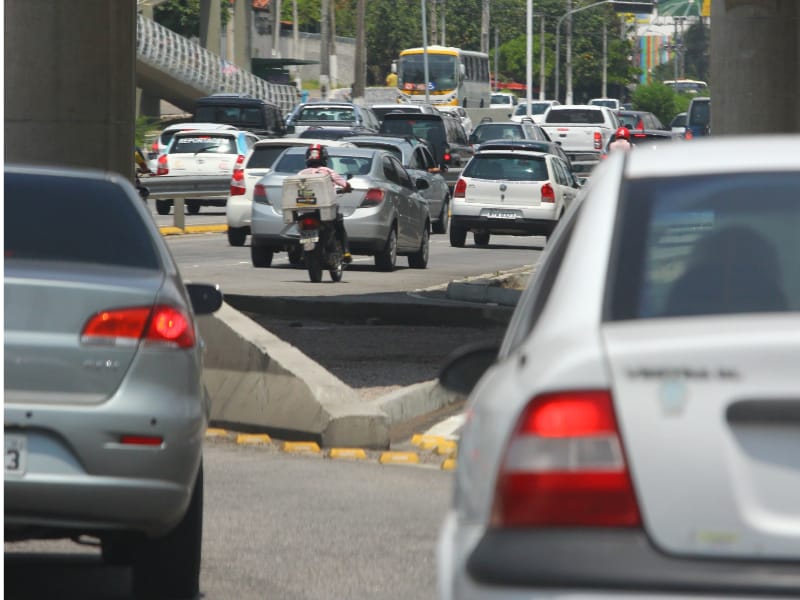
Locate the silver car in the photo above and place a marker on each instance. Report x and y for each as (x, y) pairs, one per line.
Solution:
(638, 433)
(105, 410)
(384, 216)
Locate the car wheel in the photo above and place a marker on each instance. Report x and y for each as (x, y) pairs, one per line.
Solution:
(419, 260)
(192, 207)
(386, 258)
(458, 235)
(295, 255)
(163, 206)
(237, 236)
(169, 566)
(260, 256)
(441, 225)
(482, 238)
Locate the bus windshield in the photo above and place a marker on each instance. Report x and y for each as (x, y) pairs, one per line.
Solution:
(442, 70)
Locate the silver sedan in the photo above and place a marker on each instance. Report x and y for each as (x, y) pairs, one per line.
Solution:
(384, 216)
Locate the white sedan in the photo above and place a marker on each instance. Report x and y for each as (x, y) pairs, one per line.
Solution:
(637, 433)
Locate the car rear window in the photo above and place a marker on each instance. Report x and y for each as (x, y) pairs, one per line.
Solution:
(60, 218)
(207, 144)
(707, 245)
(574, 115)
(327, 114)
(496, 131)
(507, 167)
(290, 162)
(263, 157)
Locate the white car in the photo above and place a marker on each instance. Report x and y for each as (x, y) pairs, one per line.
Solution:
(160, 144)
(502, 100)
(239, 208)
(510, 191)
(538, 108)
(637, 432)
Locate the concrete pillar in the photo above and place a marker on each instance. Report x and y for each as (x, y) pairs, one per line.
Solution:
(210, 25)
(755, 66)
(147, 105)
(242, 14)
(70, 84)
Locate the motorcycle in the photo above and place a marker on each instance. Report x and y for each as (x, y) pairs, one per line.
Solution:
(309, 202)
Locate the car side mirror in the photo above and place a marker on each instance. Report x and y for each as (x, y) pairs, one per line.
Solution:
(205, 298)
(464, 367)
(422, 184)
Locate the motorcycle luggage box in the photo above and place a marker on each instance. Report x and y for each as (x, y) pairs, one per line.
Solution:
(309, 191)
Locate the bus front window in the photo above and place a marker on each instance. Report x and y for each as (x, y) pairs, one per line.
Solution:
(442, 71)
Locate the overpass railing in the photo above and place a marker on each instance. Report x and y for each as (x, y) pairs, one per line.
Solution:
(187, 61)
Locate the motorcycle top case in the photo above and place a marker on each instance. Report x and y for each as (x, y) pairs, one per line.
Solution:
(314, 192)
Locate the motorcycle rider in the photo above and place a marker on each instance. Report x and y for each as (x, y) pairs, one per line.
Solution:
(622, 140)
(316, 163)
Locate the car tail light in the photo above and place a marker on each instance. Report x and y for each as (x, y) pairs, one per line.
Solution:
(548, 195)
(141, 440)
(163, 167)
(460, 190)
(154, 147)
(639, 135)
(598, 140)
(447, 156)
(159, 324)
(688, 134)
(238, 187)
(564, 466)
(373, 197)
(260, 194)
(309, 222)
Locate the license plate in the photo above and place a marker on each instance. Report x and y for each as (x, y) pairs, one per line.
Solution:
(16, 454)
(309, 236)
(307, 201)
(501, 214)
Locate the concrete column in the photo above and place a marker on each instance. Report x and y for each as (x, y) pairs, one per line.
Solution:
(70, 85)
(755, 66)
(242, 14)
(210, 25)
(147, 105)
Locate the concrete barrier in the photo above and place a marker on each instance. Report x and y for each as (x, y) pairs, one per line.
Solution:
(496, 114)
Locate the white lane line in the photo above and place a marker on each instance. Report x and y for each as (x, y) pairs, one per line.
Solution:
(449, 427)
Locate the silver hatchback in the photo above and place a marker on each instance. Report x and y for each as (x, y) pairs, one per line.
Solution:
(104, 409)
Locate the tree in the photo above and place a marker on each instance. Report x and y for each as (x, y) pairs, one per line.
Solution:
(658, 99)
(183, 16)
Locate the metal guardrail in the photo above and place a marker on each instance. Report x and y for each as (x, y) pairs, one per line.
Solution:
(187, 61)
(182, 187)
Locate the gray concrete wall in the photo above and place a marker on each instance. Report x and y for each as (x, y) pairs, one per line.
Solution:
(70, 89)
(755, 66)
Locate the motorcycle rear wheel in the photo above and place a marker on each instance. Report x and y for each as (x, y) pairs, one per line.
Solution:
(314, 264)
(335, 266)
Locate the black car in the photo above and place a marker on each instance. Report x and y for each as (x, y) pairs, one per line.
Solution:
(242, 111)
(334, 133)
(507, 130)
(644, 126)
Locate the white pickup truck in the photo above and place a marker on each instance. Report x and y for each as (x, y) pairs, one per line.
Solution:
(581, 130)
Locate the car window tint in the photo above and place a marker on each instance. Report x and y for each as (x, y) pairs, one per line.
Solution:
(66, 219)
(511, 168)
(401, 174)
(290, 162)
(574, 115)
(702, 246)
(263, 157)
(389, 170)
(207, 144)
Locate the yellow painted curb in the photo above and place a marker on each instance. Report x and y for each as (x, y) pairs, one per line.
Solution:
(399, 458)
(298, 447)
(427, 442)
(214, 432)
(170, 230)
(449, 464)
(348, 453)
(446, 448)
(253, 438)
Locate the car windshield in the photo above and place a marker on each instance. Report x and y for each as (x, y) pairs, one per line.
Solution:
(507, 167)
(327, 113)
(441, 71)
(700, 246)
(210, 144)
(87, 221)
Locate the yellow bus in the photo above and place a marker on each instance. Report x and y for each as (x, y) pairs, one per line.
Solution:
(455, 77)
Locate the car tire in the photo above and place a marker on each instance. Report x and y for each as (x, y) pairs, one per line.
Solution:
(386, 259)
(169, 566)
(163, 206)
(237, 236)
(192, 207)
(295, 255)
(260, 256)
(419, 260)
(441, 225)
(458, 235)
(481, 238)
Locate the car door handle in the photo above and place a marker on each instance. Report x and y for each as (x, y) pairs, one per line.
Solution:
(764, 412)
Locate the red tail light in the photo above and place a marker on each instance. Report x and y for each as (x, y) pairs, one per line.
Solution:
(159, 324)
(141, 440)
(447, 156)
(688, 134)
(163, 167)
(548, 195)
(373, 197)
(154, 147)
(564, 466)
(260, 194)
(598, 140)
(460, 190)
(238, 187)
(309, 222)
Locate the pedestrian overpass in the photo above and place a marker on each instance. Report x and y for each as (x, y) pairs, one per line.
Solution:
(178, 70)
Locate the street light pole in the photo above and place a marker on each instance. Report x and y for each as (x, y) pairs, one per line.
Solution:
(425, 50)
(528, 56)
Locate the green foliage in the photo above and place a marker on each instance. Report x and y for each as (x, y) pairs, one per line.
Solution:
(660, 100)
(145, 126)
(183, 16)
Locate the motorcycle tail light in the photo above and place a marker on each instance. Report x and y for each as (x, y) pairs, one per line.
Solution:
(309, 222)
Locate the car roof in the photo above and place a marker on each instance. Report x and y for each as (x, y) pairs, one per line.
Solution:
(299, 142)
(500, 151)
(198, 125)
(530, 145)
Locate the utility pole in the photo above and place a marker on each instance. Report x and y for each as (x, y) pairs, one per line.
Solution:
(276, 29)
(443, 24)
(568, 97)
(425, 51)
(542, 78)
(528, 56)
(434, 21)
(485, 26)
(604, 92)
(496, 54)
(360, 78)
(324, 47)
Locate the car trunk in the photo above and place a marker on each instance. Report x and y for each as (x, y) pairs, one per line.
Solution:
(710, 422)
(46, 310)
(504, 193)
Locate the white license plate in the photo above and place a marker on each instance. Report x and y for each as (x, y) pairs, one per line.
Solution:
(501, 214)
(310, 235)
(16, 454)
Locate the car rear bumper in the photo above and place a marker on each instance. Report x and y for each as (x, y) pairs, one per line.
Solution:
(518, 226)
(239, 211)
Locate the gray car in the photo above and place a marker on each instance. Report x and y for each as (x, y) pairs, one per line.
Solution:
(417, 158)
(104, 409)
(384, 216)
